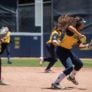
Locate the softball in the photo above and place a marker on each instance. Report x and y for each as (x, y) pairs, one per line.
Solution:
(83, 39)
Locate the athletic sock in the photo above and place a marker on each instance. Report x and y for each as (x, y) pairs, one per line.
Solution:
(60, 78)
(73, 73)
(8, 57)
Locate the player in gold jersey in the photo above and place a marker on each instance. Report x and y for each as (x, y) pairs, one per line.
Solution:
(51, 47)
(64, 52)
(5, 42)
(63, 22)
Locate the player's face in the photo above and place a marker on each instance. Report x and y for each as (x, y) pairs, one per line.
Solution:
(81, 27)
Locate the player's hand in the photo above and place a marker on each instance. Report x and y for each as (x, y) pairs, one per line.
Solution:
(81, 36)
(55, 42)
(90, 45)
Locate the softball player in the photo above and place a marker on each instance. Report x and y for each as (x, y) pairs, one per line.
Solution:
(56, 34)
(64, 52)
(51, 48)
(5, 43)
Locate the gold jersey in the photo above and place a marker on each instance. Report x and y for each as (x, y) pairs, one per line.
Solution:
(68, 41)
(6, 38)
(54, 34)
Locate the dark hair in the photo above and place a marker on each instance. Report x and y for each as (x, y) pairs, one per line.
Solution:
(65, 20)
(79, 21)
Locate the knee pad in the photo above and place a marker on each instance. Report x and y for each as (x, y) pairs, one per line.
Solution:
(78, 66)
(68, 70)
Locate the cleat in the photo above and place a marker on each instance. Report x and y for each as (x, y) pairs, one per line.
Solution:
(55, 86)
(73, 80)
(48, 70)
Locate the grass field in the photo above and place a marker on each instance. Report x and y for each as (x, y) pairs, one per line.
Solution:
(34, 62)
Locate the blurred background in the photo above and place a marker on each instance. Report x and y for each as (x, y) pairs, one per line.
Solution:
(31, 22)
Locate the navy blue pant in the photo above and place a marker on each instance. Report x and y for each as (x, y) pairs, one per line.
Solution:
(65, 54)
(5, 47)
(52, 52)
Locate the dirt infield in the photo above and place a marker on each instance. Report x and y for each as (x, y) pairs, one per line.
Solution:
(33, 79)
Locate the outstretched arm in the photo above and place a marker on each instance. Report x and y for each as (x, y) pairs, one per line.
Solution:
(87, 46)
(74, 30)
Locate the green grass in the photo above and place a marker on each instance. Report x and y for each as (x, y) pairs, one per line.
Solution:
(30, 62)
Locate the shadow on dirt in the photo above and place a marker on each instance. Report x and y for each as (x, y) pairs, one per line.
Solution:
(65, 88)
(3, 84)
